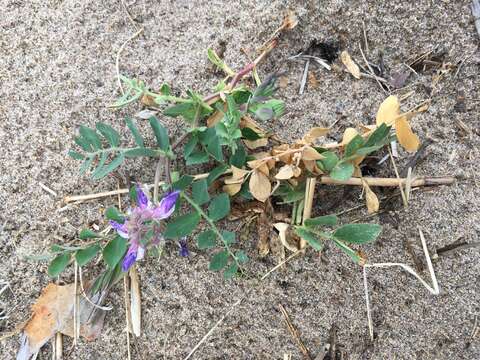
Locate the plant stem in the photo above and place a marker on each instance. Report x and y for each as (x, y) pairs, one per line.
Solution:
(212, 225)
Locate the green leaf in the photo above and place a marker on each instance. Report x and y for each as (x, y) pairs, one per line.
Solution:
(354, 255)
(86, 164)
(228, 237)
(354, 144)
(216, 173)
(183, 183)
(107, 169)
(367, 150)
(342, 171)
(219, 207)
(139, 152)
(200, 192)
(160, 134)
(327, 220)
(85, 255)
(214, 148)
(310, 237)
(230, 271)
(219, 261)
(100, 164)
(75, 155)
(87, 234)
(190, 145)
(112, 213)
(206, 239)
(114, 251)
(58, 264)
(91, 137)
(165, 89)
(241, 256)
(331, 159)
(379, 136)
(358, 233)
(187, 110)
(182, 225)
(239, 158)
(250, 134)
(134, 130)
(109, 133)
(197, 157)
(84, 144)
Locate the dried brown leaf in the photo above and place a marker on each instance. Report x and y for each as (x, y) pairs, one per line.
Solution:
(238, 173)
(312, 80)
(282, 82)
(372, 200)
(260, 186)
(254, 144)
(309, 153)
(214, 118)
(405, 135)
(290, 20)
(315, 133)
(388, 111)
(283, 234)
(285, 172)
(350, 64)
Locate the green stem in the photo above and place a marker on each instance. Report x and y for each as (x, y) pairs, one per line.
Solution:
(123, 150)
(212, 225)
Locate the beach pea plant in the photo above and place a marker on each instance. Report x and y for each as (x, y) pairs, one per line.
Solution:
(224, 136)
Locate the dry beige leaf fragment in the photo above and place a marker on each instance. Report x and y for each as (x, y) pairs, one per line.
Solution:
(388, 111)
(259, 185)
(405, 135)
(372, 200)
(350, 64)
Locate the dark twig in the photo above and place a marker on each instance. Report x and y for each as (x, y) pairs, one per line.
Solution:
(449, 249)
(294, 333)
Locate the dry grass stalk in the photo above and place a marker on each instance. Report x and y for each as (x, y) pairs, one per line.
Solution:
(294, 333)
(434, 289)
(127, 315)
(307, 209)
(135, 301)
(57, 353)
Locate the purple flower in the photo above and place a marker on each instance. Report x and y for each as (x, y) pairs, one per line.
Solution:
(142, 199)
(141, 220)
(183, 247)
(166, 206)
(130, 258)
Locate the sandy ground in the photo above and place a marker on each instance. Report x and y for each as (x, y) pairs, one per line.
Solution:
(57, 71)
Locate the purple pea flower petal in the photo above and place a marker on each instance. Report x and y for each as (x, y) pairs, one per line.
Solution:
(130, 258)
(120, 228)
(142, 199)
(166, 206)
(183, 247)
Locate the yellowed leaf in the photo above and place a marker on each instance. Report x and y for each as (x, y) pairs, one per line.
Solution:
(254, 144)
(315, 133)
(214, 118)
(260, 186)
(232, 189)
(405, 135)
(372, 200)
(309, 153)
(285, 172)
(388, 111)
(238, 173)
(348, 135)
(350, 64)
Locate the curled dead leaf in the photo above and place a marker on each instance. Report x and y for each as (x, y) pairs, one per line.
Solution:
(405, 135)
(238, 173)
(254, 144)
(285, 172)
(259, 186)
(309, 153)
(372, 200)
(388, 111)
(282, 234)
(315, 133)
(350, 64)
(214, 118)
